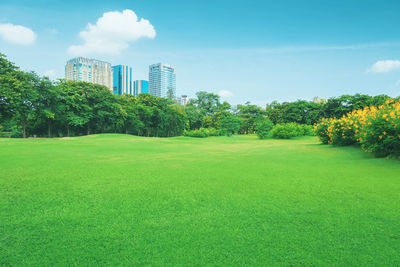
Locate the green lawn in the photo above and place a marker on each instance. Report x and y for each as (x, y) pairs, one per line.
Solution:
(108, 199)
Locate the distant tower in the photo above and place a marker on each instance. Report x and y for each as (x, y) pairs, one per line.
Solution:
(89, 70)
(141, 87)
(122, 80)
(184, 100)
(162, 80)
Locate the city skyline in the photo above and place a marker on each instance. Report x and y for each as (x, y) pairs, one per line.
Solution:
(120, 80)
(259, 53)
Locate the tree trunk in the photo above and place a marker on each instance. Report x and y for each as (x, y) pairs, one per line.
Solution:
(24, 127)
(88, 129)
(49, 128)
(68, 130)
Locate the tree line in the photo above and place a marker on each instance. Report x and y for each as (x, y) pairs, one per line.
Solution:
(31, 105)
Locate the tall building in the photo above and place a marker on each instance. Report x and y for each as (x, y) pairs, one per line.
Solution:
(122, 80)
(162, 80)
(89, 70)
(140, 87)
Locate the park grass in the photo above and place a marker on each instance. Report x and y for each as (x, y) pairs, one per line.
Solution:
(119, 199)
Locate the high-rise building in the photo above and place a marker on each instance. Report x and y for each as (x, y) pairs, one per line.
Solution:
(89, 70)
(122, 80)
(162, 80)
(140, 87)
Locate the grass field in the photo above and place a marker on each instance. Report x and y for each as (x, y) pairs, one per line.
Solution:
(117, 199)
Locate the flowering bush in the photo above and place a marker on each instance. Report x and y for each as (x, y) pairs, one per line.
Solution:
(203, 132)
(342, 132)
(377, 129)
(380, 133)
(322, 130)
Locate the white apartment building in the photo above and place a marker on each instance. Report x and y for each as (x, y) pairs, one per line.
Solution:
(89, 70)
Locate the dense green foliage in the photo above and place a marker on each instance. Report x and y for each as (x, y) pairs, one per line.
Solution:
(376, 129)
(100, 200)
(289, 130)
(230, 125)
(203, 132)
(310, 112)
(263, 128)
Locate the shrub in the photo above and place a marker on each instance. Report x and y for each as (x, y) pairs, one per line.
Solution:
(377, 129)
(342, 133)
(287, 130)
(322, 130)
(308, 130)
(380, 132)
(263, 128)
(203, 132)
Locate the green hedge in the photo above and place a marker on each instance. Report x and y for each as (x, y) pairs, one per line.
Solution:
(203, 132)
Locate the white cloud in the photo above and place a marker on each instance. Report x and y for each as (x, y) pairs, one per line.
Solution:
(112, 33)
(17, 34)
(385, 66)
(225, 93)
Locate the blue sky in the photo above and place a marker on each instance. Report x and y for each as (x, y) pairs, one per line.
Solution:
(256, 51)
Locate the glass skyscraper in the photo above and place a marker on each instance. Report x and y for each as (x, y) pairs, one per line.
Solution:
(140, 87)
(162, 80)
(89, 70)
(122, 80)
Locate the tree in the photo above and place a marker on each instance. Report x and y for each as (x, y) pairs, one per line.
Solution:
(194, 117)
(230, 125)
(18, 93)
(300, 111)
(102, 105)
(49, 103)
(170, 94)
(250, 115)
(9, 79)
(24, 100)
(77, 110)
(176, 120)
(208, 103)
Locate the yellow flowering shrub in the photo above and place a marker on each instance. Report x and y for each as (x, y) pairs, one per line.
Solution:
(377, 129)
(380, 133)
(322, 130)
